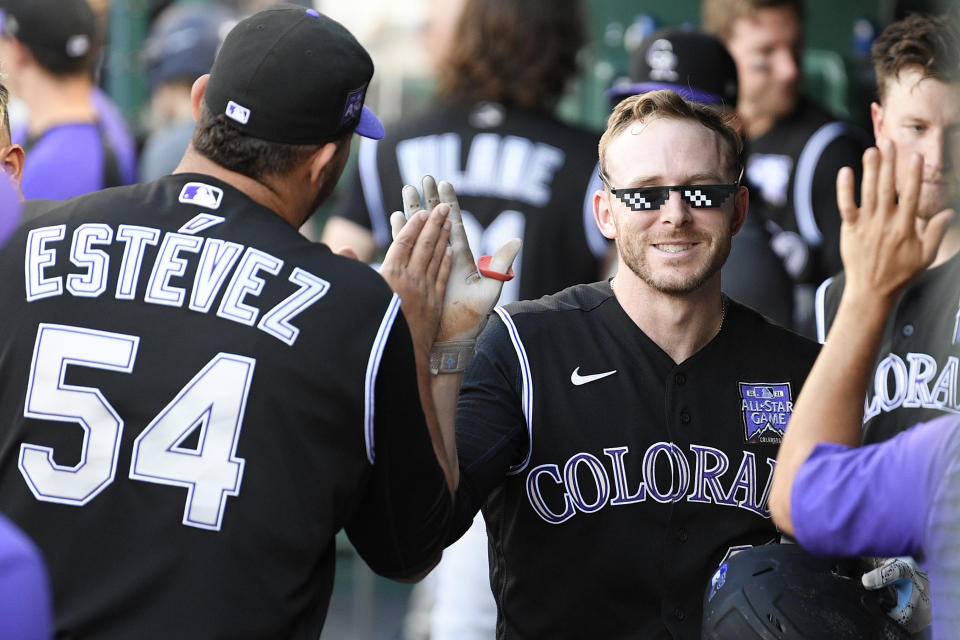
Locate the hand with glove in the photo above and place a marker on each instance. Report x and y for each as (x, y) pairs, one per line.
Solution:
(912, 610)
(470, 296)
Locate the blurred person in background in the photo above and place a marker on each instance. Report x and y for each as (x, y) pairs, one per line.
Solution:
(697, 66)
(795, 147)
(181, 47)
(518, 172)
(76, 142)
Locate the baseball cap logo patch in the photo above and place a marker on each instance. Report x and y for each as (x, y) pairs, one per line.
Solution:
(202, 195)
(237, 112)
(77, 46)
(766, 408)
(354, 105)
(662, 61)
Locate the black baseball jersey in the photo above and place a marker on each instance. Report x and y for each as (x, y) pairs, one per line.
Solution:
(614, 481)
(518, 174)
(194, 399)
(916, 373)
(793, 171)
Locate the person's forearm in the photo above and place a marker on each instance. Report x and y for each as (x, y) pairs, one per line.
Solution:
(438, 397)
(830, 406)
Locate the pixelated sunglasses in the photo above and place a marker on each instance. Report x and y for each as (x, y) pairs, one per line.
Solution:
(698, 196)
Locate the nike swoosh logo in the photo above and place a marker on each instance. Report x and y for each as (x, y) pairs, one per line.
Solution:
(578, 379)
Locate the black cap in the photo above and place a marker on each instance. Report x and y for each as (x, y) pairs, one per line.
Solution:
(692, 63)
(61, 34)
(292, 75)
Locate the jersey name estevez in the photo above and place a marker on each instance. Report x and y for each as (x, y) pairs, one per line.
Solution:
(217, 259)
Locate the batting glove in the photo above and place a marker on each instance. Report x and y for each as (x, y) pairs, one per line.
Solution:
(912, 585)
(469, 296)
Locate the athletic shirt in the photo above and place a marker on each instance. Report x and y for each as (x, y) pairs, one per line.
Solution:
(517, 174)
(793, 169)
(245, 395)
(71, 159)
(614, 481)
(899, 497)
(916, 374)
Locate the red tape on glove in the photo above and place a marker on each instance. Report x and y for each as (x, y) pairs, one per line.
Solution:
(483, 265)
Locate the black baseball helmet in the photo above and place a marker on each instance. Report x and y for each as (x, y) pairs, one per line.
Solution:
(781, 592)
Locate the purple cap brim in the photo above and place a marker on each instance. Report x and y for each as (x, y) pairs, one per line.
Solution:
(369, 125)
(622, 91)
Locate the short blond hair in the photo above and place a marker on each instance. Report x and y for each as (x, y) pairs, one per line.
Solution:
(719, 16)
(664, 103)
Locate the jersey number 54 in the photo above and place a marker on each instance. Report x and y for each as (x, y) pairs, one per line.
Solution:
(212, 401)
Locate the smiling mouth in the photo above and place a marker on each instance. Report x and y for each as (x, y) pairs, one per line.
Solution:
(673, 248)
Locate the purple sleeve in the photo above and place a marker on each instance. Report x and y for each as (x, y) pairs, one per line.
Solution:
(870, 500)
(25, 604)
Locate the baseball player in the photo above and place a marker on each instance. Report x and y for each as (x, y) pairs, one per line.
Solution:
(620, 436)
(915, 377)
(517, 170)
(901, 496)
(195, 399)
(795, 147)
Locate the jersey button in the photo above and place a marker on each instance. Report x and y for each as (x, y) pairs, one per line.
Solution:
(908, 330)
(685, 417)
(679, 614)
(680, 379)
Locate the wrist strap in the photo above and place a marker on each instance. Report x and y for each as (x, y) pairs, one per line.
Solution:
(451, 357)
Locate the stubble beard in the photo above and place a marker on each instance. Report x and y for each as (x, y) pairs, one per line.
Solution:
(631, 249)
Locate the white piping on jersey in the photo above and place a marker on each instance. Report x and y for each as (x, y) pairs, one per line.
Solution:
(820, 310)
(595, 240)
(372, 190)
(526, 389)
(373, 365)
(803, 182)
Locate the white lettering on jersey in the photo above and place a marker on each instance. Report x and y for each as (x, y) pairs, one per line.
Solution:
(916, 383)
(217, 259)
(584, 486)
(510, 167)
(276, 322)
(246, 282)
(38, 258)
(134, 239)
(168, 265)
(95, 261)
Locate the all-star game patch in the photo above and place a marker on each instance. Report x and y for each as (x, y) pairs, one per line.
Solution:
(766, 409)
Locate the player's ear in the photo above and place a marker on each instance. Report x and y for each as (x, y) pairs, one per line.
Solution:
(196, 94)
(12, 162)
(603, 214)
(876, 116)
(321, 159)
(741, 201)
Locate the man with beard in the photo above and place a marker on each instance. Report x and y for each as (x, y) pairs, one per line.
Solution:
(794, 146)
(619, 436)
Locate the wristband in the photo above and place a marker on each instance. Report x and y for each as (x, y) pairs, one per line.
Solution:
(483, 266)
(451, 357)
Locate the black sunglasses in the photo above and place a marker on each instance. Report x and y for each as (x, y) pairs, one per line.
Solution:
(698, 196)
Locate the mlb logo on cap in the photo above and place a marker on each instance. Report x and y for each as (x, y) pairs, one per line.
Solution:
(202, 195)
(236, 112)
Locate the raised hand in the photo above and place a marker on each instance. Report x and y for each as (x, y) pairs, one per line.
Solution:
(469, 296)
(884, 245)
(417, 267)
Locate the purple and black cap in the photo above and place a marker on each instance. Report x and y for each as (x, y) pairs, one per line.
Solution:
(292, 75)
(690, 62)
